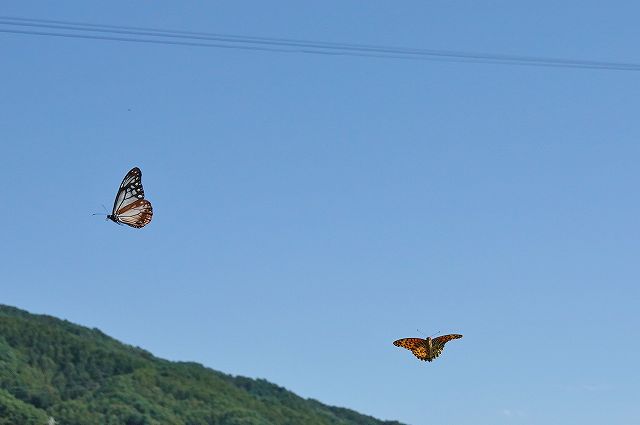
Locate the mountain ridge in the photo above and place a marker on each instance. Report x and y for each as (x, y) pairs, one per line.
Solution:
(50, 367)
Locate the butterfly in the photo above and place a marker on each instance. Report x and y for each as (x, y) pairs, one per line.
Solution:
(426, 349)
(130, 207)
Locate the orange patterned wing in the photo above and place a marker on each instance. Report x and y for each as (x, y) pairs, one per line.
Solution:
(417, 346)
(442, 340)
(439, 342)
(136, 214)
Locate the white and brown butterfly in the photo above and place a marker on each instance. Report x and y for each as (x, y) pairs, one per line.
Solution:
(426, 349)
(130, 207)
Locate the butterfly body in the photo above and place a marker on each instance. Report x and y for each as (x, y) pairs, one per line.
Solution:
(130, 207)
(426, 349)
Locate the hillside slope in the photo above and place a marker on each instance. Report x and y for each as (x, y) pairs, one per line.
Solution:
(80, 376)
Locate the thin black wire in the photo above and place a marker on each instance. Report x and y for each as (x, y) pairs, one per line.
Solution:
(194, 44)
(258, 40)
(306, 43)
(382, 51)
(283, 45)
(264, 49)
(137, 40)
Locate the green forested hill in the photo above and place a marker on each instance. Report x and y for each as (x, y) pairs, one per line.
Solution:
(80, 376)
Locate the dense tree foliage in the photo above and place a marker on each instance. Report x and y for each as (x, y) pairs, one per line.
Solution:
(80, 376)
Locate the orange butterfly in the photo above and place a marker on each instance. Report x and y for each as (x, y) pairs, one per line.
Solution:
(130, 207)
(426, 349)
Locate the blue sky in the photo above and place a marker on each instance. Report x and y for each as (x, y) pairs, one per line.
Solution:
(309, 210)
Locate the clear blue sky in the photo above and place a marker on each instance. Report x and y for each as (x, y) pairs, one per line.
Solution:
(311, 209)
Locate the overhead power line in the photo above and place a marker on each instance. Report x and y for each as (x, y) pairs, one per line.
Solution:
(82, 30)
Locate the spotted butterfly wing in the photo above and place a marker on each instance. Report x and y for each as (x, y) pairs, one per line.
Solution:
(417, 346)
(437, 344)
(426, 349)
(130, 207)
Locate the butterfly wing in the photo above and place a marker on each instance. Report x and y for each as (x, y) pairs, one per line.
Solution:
(416, 345)
(130, 207)
(437, 344)
(136, 214)
(129, 192)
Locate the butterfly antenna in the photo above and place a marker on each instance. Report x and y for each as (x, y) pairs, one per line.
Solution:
(106, 212)
(420, 332)
(435, 334)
